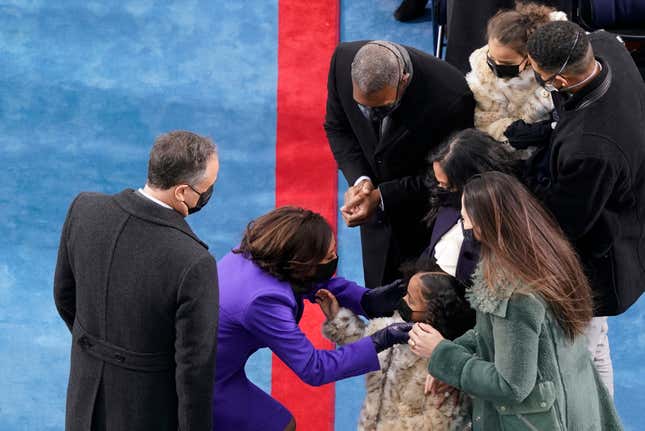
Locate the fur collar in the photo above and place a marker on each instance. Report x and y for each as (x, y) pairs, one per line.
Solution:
(483, 79)
(482, 75)
(490, 300)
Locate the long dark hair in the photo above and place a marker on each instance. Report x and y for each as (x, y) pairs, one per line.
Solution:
(288, 242)
(521, 241)
(464, 154)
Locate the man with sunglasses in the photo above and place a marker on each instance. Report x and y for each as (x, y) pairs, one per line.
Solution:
(139, 292)
(591, 175)
(388, 105)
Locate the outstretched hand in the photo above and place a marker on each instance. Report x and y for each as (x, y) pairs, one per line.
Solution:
(328, 303)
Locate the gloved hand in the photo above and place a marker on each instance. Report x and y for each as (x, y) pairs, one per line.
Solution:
(522, 135)
(382, 301)
(396, 333)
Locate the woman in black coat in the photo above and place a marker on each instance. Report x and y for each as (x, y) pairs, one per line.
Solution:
(463, 155)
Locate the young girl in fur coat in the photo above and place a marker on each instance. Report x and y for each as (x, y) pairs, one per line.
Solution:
(502, 80)
(396, 398)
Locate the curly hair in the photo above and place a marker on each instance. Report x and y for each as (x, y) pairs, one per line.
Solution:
(550, 45)
(513, 27)
(288, 242)
(448, 310)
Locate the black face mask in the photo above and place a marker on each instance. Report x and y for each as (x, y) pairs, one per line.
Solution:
(325, 271)
(448, 198)
(404, 310)
(503, 70)
(204, 197)
(378, 113)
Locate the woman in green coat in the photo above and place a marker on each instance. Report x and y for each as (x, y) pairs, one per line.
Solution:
(525, 363)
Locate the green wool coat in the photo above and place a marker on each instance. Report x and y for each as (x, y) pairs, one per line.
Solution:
(521, 370)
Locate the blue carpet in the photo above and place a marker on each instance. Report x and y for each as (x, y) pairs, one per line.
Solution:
(86, 87)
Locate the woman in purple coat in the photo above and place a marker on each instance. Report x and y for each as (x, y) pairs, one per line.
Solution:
(284, 257)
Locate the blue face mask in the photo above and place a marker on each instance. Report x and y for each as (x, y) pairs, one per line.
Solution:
(469, 236)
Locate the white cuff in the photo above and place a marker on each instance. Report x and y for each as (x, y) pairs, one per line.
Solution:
(362, 178)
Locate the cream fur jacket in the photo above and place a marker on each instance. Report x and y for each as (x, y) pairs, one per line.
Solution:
(499, 102)
(395, 399)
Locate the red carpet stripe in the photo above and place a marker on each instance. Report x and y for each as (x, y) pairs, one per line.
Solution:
(306, 173)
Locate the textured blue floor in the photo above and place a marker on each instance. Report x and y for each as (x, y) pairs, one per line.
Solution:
(84, 89)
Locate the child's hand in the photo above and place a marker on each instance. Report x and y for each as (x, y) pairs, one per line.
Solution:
(328, 303)
(443, 391)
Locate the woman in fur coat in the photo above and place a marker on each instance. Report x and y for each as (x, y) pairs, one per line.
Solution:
(501, 77)
(395, 398)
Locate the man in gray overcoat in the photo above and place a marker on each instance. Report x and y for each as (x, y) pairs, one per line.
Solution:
(138, 290)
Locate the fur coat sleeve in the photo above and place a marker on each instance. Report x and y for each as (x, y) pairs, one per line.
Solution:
(500, 102)
(346, 327)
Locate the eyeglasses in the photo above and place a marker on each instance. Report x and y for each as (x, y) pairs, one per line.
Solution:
(193, 189)
(545, 82)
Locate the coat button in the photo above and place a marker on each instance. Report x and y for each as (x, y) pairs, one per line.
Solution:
(503, 408)
(119, 358)
(477, 419)
(543, 404)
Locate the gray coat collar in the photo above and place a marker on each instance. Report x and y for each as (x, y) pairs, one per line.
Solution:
(489, 300)
(145, 209)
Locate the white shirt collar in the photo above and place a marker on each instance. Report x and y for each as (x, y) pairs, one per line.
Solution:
(155, 200)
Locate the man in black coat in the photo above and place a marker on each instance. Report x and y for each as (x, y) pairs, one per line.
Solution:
(591, 176)
(138, 290)
(388, 105)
